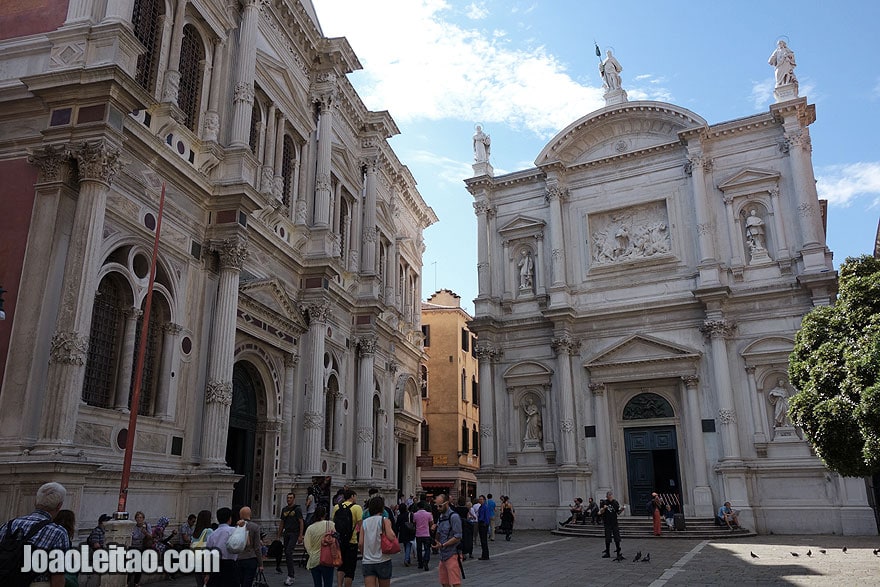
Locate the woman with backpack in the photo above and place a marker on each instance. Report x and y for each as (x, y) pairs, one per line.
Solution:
(406, 532)
(321, 527)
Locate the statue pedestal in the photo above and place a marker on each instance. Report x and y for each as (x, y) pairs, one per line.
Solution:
(532, 445)
(483, 168)
(117, 532)
(785, 434)
(617, 96)
(760, 257)
(785, 92)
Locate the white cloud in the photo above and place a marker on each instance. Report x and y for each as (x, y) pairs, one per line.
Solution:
(475, 12)
(841, 184)
(449, 170)
(762, 93)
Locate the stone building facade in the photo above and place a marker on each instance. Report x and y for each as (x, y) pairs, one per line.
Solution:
(284, 338)
(451, 398)
(640, 289)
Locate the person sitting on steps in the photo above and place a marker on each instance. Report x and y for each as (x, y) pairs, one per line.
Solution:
(577, 511)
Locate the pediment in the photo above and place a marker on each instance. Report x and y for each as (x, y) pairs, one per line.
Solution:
(522, 224)
(749, 177)
(271, 295)
(530, 371)
(768, 350)
(641, 348)
(618, 130)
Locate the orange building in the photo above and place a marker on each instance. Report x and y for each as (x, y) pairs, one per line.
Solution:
(451, 398)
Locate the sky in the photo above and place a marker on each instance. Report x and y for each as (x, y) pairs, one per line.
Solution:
(527, 69)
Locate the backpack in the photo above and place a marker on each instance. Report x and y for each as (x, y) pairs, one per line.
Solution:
(344, 522)
(12, 555)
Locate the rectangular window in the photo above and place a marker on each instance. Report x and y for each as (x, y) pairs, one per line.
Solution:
(465, 340)
(474, 347)
(464, 440)
(426, 334)
(475, 391)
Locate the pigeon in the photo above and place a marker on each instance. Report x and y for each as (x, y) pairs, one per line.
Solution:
(647, 558)
(876, 551)
(619, 558)
(844, 550)
(753, 554)
(810, 553)
(794, 554)
(638, 556)
(822, 550)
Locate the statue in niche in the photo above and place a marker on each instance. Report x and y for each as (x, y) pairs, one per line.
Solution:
(482, 145)
(534, 430)
(755, 236)
(783, 60)
(525, 265)
(778, 398)
(610, 70)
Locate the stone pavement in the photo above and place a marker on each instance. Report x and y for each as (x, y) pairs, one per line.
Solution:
(539, 559)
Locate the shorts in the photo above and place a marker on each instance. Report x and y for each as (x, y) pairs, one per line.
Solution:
(349, 559)
(449, 572)
(378, 570)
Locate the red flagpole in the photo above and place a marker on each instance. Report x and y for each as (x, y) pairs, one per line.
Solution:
(121, 513)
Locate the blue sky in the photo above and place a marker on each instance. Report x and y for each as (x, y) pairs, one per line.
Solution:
(526, 70)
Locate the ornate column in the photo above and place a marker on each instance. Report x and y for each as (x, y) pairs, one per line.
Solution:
(799, 146)
(487, 355)
(279, 158)
(697, 166)
(168, 377)
(288, 457)
(319, 313)
(702, 493)
(354, 241)
(364, 449)
(368, 252)
(325, 101)
(243, 99)
(540, 280)
(603, 435)
(481, 207)
(267, 174)
(212, 117)
(172, 73)
(390, 271)
(98, 162)
(565, 346)
(218, 394)
(755, 401)
(781, 241)
(496, 286)
(733, 233)
(129, 336)
(555, 194)
(718, 330)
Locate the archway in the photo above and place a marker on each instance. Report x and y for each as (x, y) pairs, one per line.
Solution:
(240, 442)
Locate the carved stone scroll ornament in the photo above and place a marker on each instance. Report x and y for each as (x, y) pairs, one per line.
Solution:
(53, 162)
(291, 360)
(481, 207)
(597, 388)
(68, 348)
(486, 351)
(97, 161)
(565, 344)
(319, 312)
(219, 392)
(690, 381)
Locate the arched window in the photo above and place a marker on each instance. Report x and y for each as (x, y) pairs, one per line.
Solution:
(192, 59)
(146, 22)
(475, 390)
(475, 441)
(256, 119)
(647, 406)
(104, 344)
(330, 412)
(159, 316)
(465, 437)
(464, 386)
(286, 168)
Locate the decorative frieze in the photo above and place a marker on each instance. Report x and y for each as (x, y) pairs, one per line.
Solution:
(68, 348)
(219, 392)
(630, 234)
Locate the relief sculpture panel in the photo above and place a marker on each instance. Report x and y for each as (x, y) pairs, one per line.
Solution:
(629, 234)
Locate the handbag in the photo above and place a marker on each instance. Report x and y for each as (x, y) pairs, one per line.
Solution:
(389, 546)
(330, 553)
(237, 541)
(260, 580)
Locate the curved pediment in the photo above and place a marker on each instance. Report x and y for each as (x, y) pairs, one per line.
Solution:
(527, 373)
(771, 349)
(615, 130)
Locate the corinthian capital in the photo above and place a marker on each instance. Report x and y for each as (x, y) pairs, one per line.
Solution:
(717, 328)
(53, 162)
(565, 344)
(319, 312)
(597, 388)
(487, 351)
(481, 207)
(367, 345)
(555, 191)
(233, 253)
(97, 161)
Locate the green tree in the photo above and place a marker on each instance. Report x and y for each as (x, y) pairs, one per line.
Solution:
(836, 366)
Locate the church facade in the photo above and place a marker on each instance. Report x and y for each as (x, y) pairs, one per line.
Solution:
(284, 339)
(639, 293)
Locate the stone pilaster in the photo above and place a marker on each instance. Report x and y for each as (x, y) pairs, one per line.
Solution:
(698, 165)
(488, 355)
(365, 432)
(368, 251)
(702, 493)
(325, 99)
(481, 207)
(288, 456)
(243, 96)
(555, 195)
(129, 337)
(319, 314)
(565, 346)
(718, 330)
(603, 436)
(166, 397)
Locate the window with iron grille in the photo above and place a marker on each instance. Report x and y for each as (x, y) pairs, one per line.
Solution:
(286, 168)
(465, 436)
(426, 446)
(330, 412)
(192, 59)
(464, 389)
(465, 340)
(475, 391)
(146, 19)
(256, 117)
(152, 356)
(475, 441)
(104, 344)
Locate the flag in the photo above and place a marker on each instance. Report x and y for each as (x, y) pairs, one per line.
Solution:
(598, 53)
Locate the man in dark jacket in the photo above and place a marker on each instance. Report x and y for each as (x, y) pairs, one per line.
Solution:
(609, 511)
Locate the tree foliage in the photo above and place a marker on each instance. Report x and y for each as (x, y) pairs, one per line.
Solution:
(836, 366)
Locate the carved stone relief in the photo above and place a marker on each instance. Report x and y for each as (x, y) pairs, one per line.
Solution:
(634, 233)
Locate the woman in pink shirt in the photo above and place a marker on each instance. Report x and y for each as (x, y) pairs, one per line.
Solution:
(423, 520)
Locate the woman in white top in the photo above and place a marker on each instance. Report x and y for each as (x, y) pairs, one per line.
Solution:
(376, 565)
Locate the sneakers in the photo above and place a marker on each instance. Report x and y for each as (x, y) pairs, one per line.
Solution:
(288, 581)
(606, 554)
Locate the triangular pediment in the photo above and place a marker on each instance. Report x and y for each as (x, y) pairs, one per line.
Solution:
(641, 348)
(271, 296)
(749, 177)
(522, 224)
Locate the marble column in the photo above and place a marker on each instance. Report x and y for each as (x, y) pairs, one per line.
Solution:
(212, 117)
(760, 435)
(98, 163)
(496, 287)
(565, 346)
(540, 279)
(368, 253)
(325, 103)
(778, 225)
(267, 174)
(354, 242)
(808, 212)
(313, 417)
(172, 74)
(288, 456)
(481, 207)
(218, 394)
(733, 234)
(364, 449)
(718, 330)
(391, 272)
(243, 94)
(603, 436)
(487, 355)
(702, 493)
(126, 366)
(555, 195)
(279, 159)
(698, 166)
(168, 376)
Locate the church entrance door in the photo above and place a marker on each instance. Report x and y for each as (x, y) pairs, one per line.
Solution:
(651, 465)
(242, 432)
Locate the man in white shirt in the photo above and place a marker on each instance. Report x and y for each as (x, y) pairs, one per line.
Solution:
(228, 573)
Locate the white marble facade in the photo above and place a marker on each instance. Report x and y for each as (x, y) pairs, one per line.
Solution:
(287, 335)
(673, 260)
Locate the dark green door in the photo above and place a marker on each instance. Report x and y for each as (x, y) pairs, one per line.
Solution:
(651, 465)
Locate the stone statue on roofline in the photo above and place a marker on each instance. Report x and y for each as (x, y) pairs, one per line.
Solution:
(782, 59)
(609, 69)
(482, 150)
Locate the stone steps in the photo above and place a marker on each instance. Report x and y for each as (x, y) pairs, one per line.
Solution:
(641, 527)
